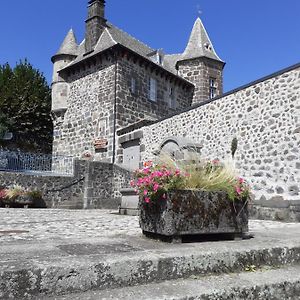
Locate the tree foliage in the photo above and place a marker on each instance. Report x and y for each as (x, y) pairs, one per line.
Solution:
(3, 125)
(25, 103)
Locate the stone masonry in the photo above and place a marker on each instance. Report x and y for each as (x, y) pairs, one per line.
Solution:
(85, 119)
(112, 80)
(264, 117)
(199, 71)
(93, 185)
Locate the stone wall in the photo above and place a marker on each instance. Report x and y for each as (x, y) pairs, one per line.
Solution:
(93, 185)
(265, 118)
(89, 111)
(199, 71)
(99, 91)
(133, 106)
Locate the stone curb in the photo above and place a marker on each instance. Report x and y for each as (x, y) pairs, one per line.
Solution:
(276, 284)
(75, 274)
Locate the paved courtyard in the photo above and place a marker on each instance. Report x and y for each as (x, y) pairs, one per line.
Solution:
(59, 225)
(17, 225)
(54, 252)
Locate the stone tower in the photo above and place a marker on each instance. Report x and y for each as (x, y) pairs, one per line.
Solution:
(95, 23)
(201, 65)
(65, 55)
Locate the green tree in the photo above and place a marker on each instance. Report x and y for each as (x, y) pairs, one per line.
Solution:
(3, 125)
(25, 100)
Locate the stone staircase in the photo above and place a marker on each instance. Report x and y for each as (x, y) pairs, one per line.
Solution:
(138, 268)
(262, 284)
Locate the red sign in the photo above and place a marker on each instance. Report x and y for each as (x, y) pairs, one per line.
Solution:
(100, 144)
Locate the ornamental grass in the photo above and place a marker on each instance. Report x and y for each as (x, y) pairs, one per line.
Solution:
(157, 178)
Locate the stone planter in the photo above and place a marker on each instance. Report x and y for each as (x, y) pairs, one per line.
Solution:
(186, 212)
(22, 201)
(129, 202)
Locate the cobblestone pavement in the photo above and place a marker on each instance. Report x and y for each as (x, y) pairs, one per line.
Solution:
(51, 224)
(63, 224)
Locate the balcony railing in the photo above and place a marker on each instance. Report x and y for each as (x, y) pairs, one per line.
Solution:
(36, 163)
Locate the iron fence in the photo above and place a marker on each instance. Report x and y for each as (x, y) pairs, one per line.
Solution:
(36, 163)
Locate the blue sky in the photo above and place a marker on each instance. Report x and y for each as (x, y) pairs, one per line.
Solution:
(254, 37)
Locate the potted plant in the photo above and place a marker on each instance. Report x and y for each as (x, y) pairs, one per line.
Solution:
(192, 197)
(16, 197)
(3, 196)
(36, 199)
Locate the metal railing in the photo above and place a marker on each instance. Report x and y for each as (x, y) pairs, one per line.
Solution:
(36, 163)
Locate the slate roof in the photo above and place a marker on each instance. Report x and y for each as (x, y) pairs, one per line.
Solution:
(170, 61)
(112, 36)
(199, 44)
(69, 45)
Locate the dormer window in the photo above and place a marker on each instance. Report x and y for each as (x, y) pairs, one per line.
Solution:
(157, 57)
(212, 88)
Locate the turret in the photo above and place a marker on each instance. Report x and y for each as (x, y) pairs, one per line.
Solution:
(201, 65)
(66, 54)
(95, 23)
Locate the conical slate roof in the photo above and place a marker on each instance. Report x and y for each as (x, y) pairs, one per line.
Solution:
(199, 44)
(69, 45)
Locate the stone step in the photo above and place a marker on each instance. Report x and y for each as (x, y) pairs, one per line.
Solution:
(261, 284)
(83, 267)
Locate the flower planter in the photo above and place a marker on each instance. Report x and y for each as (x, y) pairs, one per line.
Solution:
(22, 201)
(186, 212)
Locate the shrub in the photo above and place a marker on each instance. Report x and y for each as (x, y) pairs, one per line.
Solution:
(155, 179)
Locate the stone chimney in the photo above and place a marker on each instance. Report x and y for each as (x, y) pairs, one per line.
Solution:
(95, 23)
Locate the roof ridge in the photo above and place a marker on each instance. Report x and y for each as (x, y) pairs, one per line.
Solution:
(112, 25)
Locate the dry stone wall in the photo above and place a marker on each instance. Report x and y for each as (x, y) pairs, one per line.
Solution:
(264, 117)
(93, 185)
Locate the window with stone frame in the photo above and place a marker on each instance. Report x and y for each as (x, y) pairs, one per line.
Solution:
(133, 88)
(212, 88)
(172, 96)
(152, 89)
(101, 129)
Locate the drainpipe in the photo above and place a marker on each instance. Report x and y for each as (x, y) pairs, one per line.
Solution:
(115, 109)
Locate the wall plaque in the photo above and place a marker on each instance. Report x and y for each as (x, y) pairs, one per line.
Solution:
(100, 144)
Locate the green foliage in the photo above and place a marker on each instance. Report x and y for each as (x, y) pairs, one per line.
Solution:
(209, 176)
(25, 100)
(250, 268)
(3, 125)
(234, 145)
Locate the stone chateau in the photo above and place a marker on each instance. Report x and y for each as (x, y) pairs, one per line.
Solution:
(124, 102)
(111, 80)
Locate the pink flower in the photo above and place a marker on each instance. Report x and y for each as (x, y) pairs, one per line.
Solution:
(238, 190)
(241, 180)
(147, 199)
(156, 187)
(215, 161)
(146, 171)
(177, 172)
(145, 192)
(132, 183)
(167, 173)
(140, 181)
